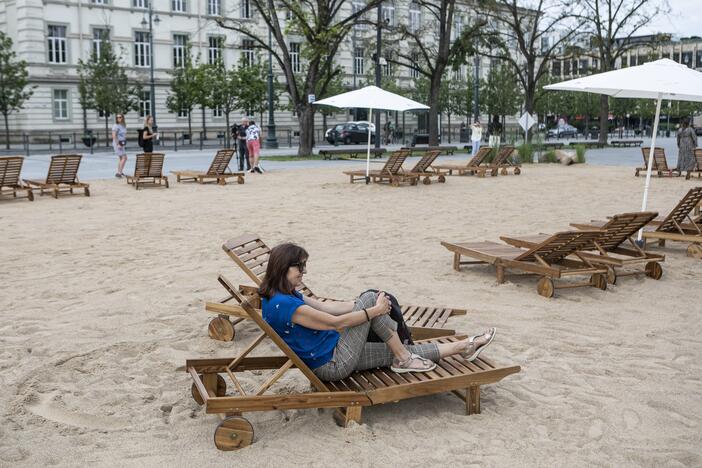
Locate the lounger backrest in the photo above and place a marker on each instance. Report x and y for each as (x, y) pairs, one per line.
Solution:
(479, 157)
(149, 165)
(681, 211)
(394, 163)
(502, 155)
(622, 226)
(560, 245)
(268, 330)
(10, 168)
(659, 161)
(63, 169)
(251, 254)
(698, 158)
(426, 161)
(220, 163)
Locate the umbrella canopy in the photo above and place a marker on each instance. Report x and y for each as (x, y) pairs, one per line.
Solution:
(371, 97)
(661, 79)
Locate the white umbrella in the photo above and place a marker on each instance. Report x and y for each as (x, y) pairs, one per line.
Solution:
(662, 79)
(371, 97)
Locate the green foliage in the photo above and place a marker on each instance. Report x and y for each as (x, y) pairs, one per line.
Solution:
(580, 151)
(526, 153)
(13, 82)
(501, 93)
(549, 157)
(185, 88)
(253, 87)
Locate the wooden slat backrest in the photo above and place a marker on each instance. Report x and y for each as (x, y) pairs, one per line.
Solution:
(622, 226)
(149, 165)
(698, 158)
(502, 155)
(560, 245)
(63, 169)
(10, 168)
(268, 330)
(426, 161)
(394, 163)
(480, 156)
(658, 157)
(220, 163)
(681, 211)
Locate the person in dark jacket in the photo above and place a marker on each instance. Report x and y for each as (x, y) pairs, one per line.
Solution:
(148, 135)
(241, 143)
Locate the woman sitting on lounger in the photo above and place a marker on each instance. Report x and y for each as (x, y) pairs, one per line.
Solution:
(331, 337)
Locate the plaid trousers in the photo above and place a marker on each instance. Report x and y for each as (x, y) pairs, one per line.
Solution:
(353, 352)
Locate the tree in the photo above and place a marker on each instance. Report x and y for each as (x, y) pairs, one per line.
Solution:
(184, 89)
(224, 92)
(202, 92)
(13, 83)
(253, 92)
(336, 86)
(523, 26)
(322, 26)
(85, 93)
(500, 95)
(612, 24)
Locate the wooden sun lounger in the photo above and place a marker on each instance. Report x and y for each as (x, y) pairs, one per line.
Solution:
(148, 171)
(62, 176)
(698, 166)
(10, 183)
(474, 165)
(546, 259)
(250, 253)
(218, 172)
(609, 250)
(660, 164)
(347, 396)
(423, 168)
(391, 172)
(675, 228)
(502, 162)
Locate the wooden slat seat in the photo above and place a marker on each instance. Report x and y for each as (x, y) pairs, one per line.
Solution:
(423, 168)
(697, 170)
(10, 183)
(471, 167)
(391, 172)
(680, 226)
(62, 176)
(502, 162)
(660, 164)
(148, 171)
(218, 171)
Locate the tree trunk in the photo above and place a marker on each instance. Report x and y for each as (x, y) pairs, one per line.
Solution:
(204, 124)
(226, 131)
(449, 127)
(85, 120)
(306, 121)
(433, 113)
(324, 122)
(7, 132)
(529, 97)
(604, 113)
(107, 132)
(190, 126)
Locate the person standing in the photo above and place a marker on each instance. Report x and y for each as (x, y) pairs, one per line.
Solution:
(476, 136)
(148, 135)
(119, 143)
(253, 144)
(241, 143)
(687, 142)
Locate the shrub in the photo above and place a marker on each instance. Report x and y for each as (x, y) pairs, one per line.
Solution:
(549, 157)
(580, 153)
(526, 153)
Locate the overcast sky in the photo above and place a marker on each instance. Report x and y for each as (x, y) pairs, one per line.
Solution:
(684, 19)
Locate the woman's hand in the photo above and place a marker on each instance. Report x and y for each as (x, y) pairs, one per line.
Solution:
(382, 304)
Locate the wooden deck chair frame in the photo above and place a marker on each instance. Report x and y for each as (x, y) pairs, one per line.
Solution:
(391, 172)
(62, 176)
(10, 182)
(546, 259)
(250, 254)
(660, 163)
(218, 172)
(698, 165)
(423, 168)
(148, 171)
(502, 162)
(347, 396)
(472, 167)
(675, 228)
(610, 250)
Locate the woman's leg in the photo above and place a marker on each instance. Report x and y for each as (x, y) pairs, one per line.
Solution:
(249, 150)
(257, 151)
(122, 162)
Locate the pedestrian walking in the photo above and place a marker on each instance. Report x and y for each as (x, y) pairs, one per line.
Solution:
(241, 144)
(119, 143)
(148, 135)
(687, 142)
(253, 144)
(476, 136)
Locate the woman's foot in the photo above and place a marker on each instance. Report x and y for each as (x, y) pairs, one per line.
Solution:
(476, 344)
(118, 175)
(414, 363)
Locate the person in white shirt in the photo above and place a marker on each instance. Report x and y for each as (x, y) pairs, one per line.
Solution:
(476, 136)
(253, 143)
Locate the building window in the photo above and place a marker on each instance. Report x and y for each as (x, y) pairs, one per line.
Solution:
(457, 26)
(145, 104)
(57, 44)
(214, 7)
(415, 18)
(140, 3)
(295, 57)
(356, 6)
(179, 43)
(142, 49)
(624, 61)
(687, 59)
(566, 67)
(100, 36)
(556, 68)
(676, 56)
(665, 55)
(247, 47)
(387, 67)
(698, 59)
(388, 11)
(61, 104)
(214, 49)
(217, 112)
(246, 9)
(414, 71)
(632, 61)
(358, 61)
(183, 112)
(179, 5)
(99, 2)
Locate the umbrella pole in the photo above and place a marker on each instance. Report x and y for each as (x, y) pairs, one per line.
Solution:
(650, 162)
(370, 119)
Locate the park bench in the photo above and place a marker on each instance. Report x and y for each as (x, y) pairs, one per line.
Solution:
(625, 143)
(423, 149)
(588, 144)
(352, 153)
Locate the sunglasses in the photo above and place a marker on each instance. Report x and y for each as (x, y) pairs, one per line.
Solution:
(302, 266)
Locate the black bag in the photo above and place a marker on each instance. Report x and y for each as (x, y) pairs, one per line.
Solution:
(403, 331)
(140, 139)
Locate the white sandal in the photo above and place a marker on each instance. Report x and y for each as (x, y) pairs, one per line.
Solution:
(415, 363)
(472, 356)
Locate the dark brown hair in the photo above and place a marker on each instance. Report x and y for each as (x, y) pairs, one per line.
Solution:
(281, 258)
(685, 122)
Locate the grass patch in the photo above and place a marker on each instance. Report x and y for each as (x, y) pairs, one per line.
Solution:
(580, 153)
(549, 157)
(526, 153)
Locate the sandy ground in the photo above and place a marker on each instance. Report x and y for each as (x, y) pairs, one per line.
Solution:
(102, 302)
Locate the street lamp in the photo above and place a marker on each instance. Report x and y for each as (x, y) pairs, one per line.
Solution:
(378, 38)
(271, 140)
(152, 94)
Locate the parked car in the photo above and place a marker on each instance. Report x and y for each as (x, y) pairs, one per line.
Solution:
(564, 131)
(698, 131)
(350, 132)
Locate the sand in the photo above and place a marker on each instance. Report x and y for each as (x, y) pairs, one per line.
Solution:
(102, 302)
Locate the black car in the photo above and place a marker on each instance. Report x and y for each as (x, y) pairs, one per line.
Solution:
(349, 133)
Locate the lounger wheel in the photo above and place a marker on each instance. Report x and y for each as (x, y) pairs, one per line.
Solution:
(233, 433)
(395, 183)
(87, 192)
(611, 275)
(503, 171)
(442, 179)
(694, 251)
(30, 195)
(221, 390)
(599, 281)
(654, 270)
(517, 171)
(545, 287)
(221, 329)
(426, 180)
